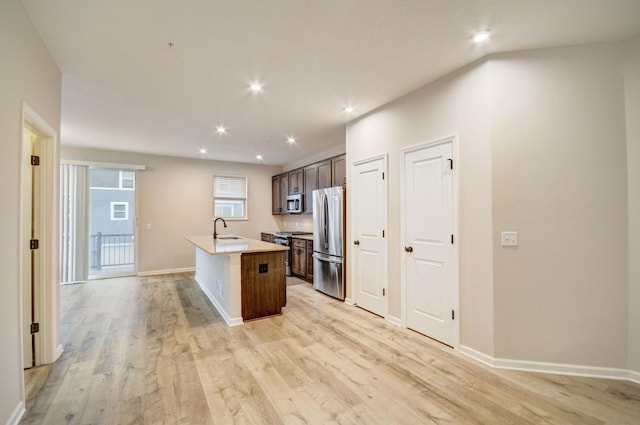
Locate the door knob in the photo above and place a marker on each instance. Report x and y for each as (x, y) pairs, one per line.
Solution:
(356, 242)
(408, 248)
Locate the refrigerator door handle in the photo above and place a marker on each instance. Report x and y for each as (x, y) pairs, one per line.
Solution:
(325, 221)
(327, 259)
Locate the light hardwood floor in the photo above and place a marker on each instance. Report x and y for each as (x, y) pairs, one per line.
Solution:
(153, 350)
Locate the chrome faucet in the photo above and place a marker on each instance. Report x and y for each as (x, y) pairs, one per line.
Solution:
(215, 222)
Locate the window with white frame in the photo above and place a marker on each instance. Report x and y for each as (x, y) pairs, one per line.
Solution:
(119, 211)
(127, 179)
(112, 179)
(230, 197)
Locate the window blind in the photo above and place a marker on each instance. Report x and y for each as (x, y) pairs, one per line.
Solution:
(229, 187)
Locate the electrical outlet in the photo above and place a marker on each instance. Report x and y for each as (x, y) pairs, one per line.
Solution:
(509, 238)
(148, 226)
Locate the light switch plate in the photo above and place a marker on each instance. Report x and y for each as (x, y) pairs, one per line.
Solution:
(509, 238)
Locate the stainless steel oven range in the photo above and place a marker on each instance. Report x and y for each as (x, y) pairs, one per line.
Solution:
(284, 238)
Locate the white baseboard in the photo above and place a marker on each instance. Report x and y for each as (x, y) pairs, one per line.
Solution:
(349, 301)
(555, 368)
(17, 414)
(395, 320)
(58, 352)
(477, 355)
(167, 271)
(634, 376)
(231, 321)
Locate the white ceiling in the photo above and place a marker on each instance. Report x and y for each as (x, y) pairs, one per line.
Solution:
(125, 89)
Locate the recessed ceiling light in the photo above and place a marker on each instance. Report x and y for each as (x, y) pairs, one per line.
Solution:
(481, 36)
(259, 157)
(348, 109)
(255, 87)
(203, 151)
(221, 129)
(291, 140)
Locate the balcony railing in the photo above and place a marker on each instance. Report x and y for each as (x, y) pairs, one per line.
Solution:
(111, 250)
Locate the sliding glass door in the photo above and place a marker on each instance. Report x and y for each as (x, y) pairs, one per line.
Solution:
(112, 224)
(97, 222)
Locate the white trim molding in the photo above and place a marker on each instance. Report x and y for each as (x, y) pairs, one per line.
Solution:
(554, 368)
(17, 414)
(134, 167)
(394, 320)
(167, 271)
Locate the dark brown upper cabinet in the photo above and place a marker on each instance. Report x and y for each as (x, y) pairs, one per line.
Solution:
(316, 176)
(276, 202)
(296, 181)
(327, 173)
(339, 170)
(279, 193)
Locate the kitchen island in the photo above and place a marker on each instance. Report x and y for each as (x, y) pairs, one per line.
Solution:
(244, 278)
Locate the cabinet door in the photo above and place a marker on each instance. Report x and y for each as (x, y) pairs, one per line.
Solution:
(296, 181)
(299, 257)
(339, 170)
(310, 184)
(324, 174)
(284, 192)
(276, 202)
(263, 293)
(266, 237)
(310, 261)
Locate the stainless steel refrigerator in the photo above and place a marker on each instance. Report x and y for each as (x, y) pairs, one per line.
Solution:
(328, 241)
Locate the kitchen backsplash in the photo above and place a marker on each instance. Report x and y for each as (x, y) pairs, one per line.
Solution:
(295, 222)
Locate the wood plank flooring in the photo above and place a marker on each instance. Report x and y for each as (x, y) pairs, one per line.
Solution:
(153, 350)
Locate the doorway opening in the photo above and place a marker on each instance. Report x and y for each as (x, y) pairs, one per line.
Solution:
(98, 206)
(39, 291)
(112, 213)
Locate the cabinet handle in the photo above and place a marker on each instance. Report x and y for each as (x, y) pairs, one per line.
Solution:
(408, 248)
(356, 242)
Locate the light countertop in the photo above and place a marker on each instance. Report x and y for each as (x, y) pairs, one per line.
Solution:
(305, 237)
(232, 246)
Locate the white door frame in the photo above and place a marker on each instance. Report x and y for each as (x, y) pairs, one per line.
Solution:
(49, 347)
(385, 219)
(403, 229)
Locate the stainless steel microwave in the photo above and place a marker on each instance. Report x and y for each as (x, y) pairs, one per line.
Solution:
(295, 204)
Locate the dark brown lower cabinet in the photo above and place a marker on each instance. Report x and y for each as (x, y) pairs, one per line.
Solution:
(299, 257)
(302, 259)
(310, 261)
(264, 285)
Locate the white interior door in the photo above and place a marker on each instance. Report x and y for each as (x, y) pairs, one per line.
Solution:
(430, 266)
(369, 222)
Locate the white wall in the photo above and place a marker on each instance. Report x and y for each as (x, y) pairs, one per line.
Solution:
(28, 74)
(176, 198)
(543, 151)
(559, 179)
(457, 104)
(632, 103)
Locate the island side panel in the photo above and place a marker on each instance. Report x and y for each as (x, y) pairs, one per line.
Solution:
(263, 292)
(219, 278)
